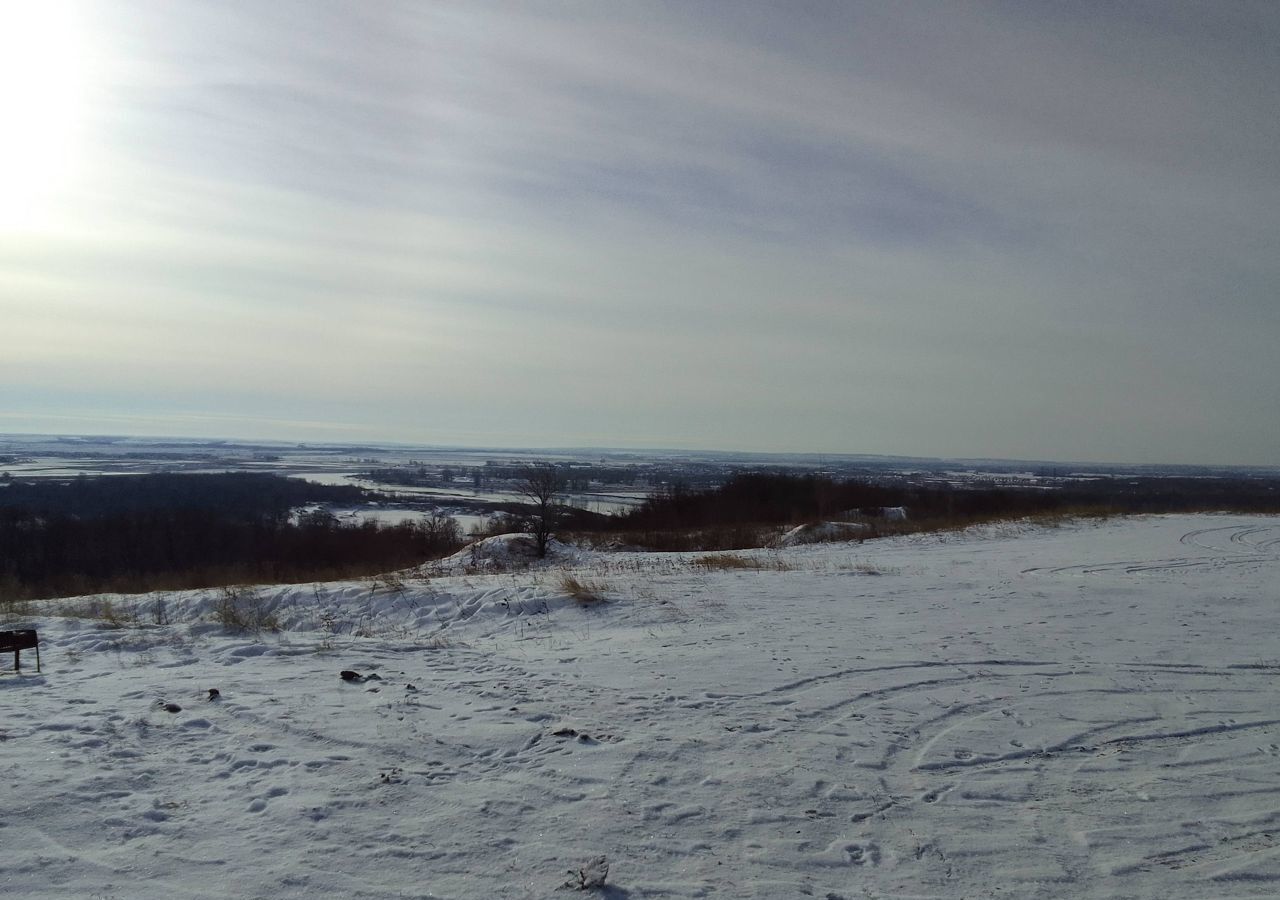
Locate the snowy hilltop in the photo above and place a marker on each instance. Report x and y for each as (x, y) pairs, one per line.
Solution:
(1083, 711)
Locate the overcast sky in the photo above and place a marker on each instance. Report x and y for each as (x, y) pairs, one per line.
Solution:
(1018, 229)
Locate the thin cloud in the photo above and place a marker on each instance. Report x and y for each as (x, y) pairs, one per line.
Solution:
(961, 228)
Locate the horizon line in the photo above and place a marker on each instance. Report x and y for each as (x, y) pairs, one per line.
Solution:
(571, 448)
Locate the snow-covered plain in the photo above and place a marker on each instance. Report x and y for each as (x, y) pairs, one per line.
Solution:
(1085, 711)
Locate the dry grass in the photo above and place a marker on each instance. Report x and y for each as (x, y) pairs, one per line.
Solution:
(439, 641)
(585, 592)
(12, 611)
(681, 540)
(728, 561)
(1048, 519)
(243, 609)
(863, 568)
(391, 582)
(716, 539)
(99, 609)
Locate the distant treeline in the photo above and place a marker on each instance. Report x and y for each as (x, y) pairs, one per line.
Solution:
(150, 532)
(733, 514)
(168, 531)
(236, 494)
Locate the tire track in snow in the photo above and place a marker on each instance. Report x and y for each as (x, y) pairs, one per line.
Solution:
(1239, 545)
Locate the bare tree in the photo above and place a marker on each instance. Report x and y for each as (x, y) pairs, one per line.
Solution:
(542, 485)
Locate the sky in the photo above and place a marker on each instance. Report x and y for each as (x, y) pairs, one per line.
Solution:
(1042, 230)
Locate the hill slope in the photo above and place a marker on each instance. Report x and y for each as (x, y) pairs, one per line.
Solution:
(1080, 712)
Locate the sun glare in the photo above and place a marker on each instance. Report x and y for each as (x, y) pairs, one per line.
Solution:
(42, 107)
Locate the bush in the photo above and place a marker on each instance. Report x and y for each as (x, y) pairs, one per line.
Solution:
(243, 609)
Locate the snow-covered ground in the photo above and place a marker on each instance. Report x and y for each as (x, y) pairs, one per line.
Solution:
(1088, 711)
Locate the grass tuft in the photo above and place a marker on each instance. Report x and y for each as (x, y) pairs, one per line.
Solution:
(101, 610)
(729, 562)
(243, 609)
(586, 593)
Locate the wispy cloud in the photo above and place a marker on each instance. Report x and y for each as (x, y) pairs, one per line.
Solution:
(960, 228)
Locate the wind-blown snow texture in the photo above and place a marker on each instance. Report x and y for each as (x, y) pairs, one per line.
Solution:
(1089, 711)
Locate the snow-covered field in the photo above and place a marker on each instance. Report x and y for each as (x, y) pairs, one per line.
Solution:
(1088, 711)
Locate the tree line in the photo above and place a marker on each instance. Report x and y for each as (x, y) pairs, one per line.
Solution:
(165, 531)
(168, 531)
(741, 512)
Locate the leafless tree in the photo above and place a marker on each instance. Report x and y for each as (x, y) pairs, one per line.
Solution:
(543, 486)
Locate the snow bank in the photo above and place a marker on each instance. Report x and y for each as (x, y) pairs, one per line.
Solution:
(823, 531)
